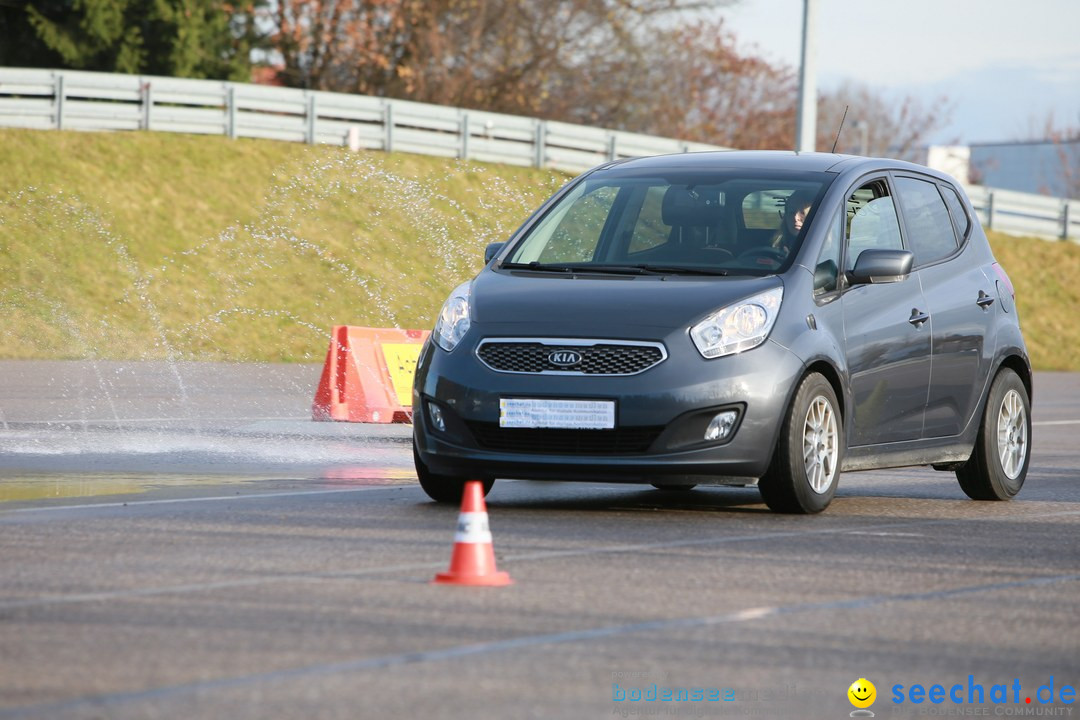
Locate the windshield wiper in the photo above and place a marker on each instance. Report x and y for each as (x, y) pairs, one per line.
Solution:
(683, 270)
(616, 269)
(539, 267)
(576, 268)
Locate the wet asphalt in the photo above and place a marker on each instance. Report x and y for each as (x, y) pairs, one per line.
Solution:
(181, 541)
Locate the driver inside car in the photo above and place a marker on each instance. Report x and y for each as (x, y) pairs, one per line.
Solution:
(796, 208)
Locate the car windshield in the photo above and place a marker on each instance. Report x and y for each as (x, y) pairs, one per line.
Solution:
(693, 223)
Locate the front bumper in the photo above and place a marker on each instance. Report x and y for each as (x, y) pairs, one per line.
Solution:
(660, 415)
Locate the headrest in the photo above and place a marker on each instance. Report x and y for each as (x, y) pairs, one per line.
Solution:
(690, 207)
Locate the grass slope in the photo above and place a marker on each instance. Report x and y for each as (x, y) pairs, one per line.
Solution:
(150, 246)
(1046, 276)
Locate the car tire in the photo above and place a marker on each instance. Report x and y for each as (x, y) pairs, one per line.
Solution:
(998, 465)
(805, 467)
(443, 488)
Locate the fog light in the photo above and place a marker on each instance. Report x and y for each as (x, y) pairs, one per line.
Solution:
(435, 413)
(720, 426)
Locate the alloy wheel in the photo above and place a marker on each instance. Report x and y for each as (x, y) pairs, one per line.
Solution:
(1012, 434)
(820, 449)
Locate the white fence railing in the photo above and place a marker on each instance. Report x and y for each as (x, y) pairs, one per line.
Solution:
(1018, 213)
(73, 100)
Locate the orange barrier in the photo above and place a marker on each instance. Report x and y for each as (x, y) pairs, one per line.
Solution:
(368, 375)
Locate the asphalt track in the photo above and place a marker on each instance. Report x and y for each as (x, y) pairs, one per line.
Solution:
(179, 541)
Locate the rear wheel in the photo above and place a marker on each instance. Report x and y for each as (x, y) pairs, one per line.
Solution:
(443, 488)
(803, 474)
(999, 463)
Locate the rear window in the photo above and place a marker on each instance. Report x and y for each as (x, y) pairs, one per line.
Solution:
(764, 209)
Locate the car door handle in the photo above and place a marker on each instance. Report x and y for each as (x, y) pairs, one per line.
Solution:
(984, 300)
(918, 317)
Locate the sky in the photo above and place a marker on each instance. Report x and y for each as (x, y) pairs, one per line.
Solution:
(1004, 65)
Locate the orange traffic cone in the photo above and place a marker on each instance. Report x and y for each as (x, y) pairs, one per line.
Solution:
(473, 560)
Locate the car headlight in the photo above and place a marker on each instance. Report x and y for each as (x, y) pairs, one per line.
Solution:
(738, 327)
(453, 320)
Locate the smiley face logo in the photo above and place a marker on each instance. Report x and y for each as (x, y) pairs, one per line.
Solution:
(862, 693)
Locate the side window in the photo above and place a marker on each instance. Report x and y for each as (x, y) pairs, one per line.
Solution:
(577, 233)
(871, 222)
(827, 269)
(956, 208)
(650, 230)
(929, 227)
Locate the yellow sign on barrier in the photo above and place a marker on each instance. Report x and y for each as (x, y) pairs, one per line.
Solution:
(401, 362)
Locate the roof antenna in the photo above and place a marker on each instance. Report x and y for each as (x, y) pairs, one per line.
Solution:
(839, 129)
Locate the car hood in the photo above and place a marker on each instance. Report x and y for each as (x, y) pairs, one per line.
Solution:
(500, 297)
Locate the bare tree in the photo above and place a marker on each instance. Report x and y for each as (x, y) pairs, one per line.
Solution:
(1065, 139)
(705, 89)
(655, 66)
(700, 87)
(570, 59)
(893, 128)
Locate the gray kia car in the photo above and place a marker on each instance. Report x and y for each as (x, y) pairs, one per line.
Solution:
(732, 318)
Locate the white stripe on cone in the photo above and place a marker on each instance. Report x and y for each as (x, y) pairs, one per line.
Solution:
(472, 527)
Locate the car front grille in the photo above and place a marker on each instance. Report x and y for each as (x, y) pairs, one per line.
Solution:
(622, 441)
(596, 357)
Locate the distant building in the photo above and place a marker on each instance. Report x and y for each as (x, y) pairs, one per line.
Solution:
(952, 159)
(1043, 167)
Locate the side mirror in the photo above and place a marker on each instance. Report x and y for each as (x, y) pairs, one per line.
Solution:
(825, 277)
(881, 266)
(492, 250)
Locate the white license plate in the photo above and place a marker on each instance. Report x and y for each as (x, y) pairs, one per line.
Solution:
(568, 414)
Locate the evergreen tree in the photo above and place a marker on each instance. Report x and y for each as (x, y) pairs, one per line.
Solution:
(95, 34)
(202, 39)
(20, 45)
(182, 38)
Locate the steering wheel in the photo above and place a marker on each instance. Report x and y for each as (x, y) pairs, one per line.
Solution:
(764, 253)
(711, 252)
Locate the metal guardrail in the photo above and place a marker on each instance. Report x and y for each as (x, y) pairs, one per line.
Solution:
(75, 100)
(1018, 213)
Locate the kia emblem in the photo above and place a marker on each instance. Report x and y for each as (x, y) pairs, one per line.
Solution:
(564, 358)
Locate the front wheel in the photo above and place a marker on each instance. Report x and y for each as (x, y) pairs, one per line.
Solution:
(999, 463)
(803, 474)
(443, 488)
